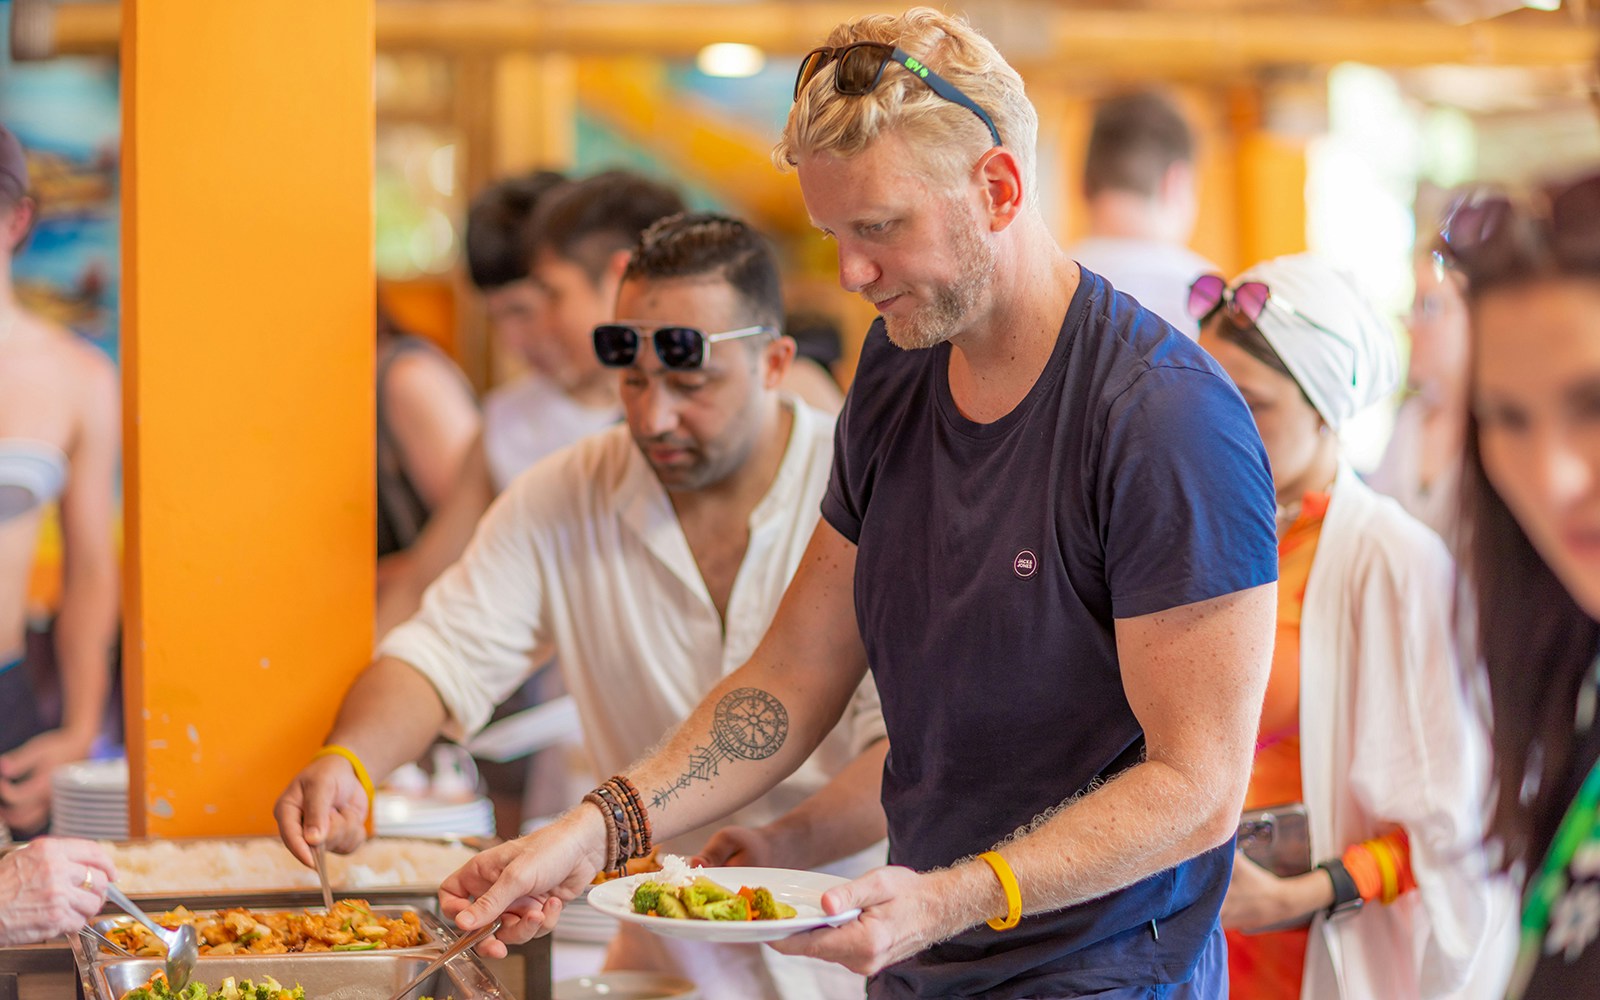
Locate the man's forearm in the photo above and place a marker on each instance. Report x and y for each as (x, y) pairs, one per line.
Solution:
(843, 817)
(747, 735)
(390, 716)
(1149, 818)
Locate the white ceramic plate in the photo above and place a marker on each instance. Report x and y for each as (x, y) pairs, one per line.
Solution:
(801, 890)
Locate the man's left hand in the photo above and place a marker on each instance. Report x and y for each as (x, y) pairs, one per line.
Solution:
(902, 913)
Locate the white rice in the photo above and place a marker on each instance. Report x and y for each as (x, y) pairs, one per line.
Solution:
(675, 871)
(165, 866)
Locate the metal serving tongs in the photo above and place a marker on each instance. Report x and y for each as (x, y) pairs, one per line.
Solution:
(461, 945)
(183, 946)
(322, 876)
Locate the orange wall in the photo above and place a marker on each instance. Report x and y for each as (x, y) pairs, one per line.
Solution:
(249, 399)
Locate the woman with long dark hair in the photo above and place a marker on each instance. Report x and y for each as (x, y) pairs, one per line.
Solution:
(1531, 494)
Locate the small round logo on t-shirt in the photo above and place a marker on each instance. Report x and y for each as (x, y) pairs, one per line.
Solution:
(1026, 564)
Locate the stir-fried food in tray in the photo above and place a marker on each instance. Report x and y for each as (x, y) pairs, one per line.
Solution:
(349, 926)
(231, 989)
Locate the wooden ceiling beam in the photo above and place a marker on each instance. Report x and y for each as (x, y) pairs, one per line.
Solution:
(1190, 42)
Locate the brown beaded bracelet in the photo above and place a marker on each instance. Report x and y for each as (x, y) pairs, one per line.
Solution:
(644, 834)
(608, 815)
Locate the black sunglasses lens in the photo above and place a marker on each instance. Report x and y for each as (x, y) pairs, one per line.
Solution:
(809, 67)
(616, 346)
(860, 66)
(680, 346)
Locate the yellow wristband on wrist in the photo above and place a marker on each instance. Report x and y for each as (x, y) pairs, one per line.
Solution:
(1388, 870)
(335, 750)
(1008, 882)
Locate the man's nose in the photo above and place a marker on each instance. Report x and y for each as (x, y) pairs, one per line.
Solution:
(856, 269)
(660, 409)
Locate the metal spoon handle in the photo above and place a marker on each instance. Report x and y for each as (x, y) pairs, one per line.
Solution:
(461, 945)
(129, 907)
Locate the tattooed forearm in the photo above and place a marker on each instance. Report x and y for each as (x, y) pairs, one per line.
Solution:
(750, 724)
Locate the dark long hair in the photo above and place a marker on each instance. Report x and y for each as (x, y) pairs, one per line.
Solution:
(1536, 646)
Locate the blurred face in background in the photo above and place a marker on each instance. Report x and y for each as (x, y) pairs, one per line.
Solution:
(1536, 401)
(574, 305)
(517, 316)
(697, 427)
(1439, 329)
(1291, 429)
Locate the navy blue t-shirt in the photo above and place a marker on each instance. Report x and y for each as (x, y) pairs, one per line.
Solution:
(992, 560)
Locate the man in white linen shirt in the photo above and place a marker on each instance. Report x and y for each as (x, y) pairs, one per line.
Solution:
(649, 560)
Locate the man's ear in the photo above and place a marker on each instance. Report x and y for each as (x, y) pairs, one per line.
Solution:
(776, 358)
(611, 276)
(1000, 176)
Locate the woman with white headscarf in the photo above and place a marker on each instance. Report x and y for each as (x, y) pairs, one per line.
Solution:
(1364, 724)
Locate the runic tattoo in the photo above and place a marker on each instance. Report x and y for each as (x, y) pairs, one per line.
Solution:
(750, 724)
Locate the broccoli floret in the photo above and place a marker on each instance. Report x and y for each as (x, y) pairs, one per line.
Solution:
(767, 908)
(701, 892)
(732, 908)
(648, 895)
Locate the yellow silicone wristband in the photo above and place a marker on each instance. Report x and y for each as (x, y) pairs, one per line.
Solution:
(1008, 882)
(335, 750)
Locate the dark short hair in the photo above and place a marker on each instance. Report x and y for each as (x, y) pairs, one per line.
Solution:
(1135, 140)
(704, 244)
(587, 221)
(496, 238)
(1249, 339)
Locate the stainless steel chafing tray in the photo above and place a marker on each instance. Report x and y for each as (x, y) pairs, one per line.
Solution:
(361, 976)
(434, 929)
(370, 975)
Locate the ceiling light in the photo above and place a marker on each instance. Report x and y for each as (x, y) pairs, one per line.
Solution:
(730, 59)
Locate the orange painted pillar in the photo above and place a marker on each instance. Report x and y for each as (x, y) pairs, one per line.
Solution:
(248, 378)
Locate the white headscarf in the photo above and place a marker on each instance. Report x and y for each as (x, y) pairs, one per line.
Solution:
(1340, 378)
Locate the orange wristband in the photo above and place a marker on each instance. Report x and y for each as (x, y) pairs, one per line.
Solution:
(335, 750)
(1008, 882)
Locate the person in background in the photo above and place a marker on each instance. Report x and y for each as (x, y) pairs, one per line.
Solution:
(1139, 187)
(1421, 466)
(1365, 723)
(647, 560)
(818, 348)
(51, 886)
(579, 234)
(1531, 505)
(59, 436)
(427, 419)
(1048, 532)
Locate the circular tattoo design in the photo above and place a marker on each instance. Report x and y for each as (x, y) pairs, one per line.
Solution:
(751, 724)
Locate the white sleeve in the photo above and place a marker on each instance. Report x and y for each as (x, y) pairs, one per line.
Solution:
(483, 627)
(1414, 760)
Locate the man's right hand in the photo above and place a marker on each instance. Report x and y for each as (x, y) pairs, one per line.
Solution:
(525, 882)
(324, 804)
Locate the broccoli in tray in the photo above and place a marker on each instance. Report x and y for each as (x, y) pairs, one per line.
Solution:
(703, 899)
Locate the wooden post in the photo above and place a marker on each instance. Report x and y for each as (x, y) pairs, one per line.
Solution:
(248, 374)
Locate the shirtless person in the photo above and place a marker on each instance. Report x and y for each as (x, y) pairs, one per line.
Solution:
(58, 441)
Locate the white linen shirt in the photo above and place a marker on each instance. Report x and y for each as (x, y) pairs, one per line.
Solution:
(583, 559)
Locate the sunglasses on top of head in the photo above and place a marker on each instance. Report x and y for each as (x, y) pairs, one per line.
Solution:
(858, 68)
(679, 347)
(1486, 234)
(1244, 304)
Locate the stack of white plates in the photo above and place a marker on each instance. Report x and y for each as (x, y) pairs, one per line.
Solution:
(397, 815)
(582, 922)
(90, 799)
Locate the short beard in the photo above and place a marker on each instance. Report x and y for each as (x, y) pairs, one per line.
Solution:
(953, 304)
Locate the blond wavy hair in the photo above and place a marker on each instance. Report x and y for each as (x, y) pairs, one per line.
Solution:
(949, 136)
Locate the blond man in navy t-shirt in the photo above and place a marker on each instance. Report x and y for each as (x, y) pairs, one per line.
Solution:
(1049, 531)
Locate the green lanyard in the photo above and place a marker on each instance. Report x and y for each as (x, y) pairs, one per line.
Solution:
(1579, 828)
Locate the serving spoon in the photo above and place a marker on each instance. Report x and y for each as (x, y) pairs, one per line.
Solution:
(183, 945)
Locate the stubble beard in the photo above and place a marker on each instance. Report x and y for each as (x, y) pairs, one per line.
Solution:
(954, 303)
